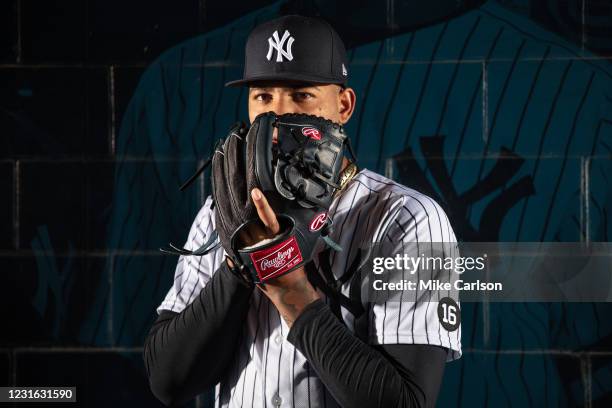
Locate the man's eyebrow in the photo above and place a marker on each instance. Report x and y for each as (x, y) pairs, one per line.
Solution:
(292, 87)
(258, 88)
(302, 86)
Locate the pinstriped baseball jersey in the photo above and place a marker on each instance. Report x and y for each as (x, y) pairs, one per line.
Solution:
(268, 371)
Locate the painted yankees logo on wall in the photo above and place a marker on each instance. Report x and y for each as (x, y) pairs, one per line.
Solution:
(506, 166)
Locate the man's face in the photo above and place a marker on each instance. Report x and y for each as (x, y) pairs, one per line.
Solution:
(327, 100)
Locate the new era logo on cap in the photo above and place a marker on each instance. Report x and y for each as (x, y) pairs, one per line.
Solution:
(294, 48)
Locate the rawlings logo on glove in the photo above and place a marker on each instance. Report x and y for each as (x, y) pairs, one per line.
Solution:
(311, 133)
(318, 222)
(275, 261)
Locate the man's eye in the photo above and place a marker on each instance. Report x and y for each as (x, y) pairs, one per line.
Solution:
(263, 97)
(302, 96)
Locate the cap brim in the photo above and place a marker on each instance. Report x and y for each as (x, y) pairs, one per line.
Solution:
(287, 77)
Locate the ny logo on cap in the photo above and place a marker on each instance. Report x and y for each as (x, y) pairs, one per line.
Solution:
(278, 45)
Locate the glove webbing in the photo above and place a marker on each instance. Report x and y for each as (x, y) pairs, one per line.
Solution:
(208, 246)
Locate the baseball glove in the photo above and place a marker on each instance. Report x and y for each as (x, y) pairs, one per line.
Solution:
(299, 172)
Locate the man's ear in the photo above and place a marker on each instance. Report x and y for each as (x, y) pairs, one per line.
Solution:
(346, 104)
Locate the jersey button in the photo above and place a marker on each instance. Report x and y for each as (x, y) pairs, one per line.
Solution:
(278, 339)
(277, 400)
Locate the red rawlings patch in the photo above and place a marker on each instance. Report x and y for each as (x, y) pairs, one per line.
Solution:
(276, 260)
(311, 132)
(318, 222)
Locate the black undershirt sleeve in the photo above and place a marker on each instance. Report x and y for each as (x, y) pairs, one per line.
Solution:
(360, 375)
(187, 353)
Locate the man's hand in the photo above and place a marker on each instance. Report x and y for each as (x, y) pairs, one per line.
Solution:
(291, 292)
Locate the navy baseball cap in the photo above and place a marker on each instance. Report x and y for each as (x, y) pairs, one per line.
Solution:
(294, 48)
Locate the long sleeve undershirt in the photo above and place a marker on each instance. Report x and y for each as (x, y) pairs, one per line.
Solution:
(360, 375)
(187, 353)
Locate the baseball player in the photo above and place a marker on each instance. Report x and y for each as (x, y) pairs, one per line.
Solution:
(263, 305)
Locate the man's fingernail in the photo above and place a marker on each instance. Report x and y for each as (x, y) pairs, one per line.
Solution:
(256, 194)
